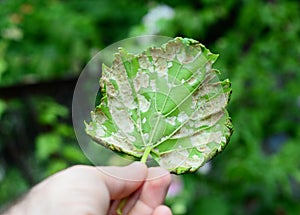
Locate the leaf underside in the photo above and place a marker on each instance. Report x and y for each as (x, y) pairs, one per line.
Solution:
(166, 101)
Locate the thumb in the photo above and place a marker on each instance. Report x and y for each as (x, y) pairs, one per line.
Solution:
(122, 181)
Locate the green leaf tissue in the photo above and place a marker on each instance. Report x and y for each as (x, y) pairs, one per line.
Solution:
(166, 102)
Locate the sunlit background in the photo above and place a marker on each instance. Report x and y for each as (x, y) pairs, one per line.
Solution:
(45, 44)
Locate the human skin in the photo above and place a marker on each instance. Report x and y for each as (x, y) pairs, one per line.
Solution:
(87, 190)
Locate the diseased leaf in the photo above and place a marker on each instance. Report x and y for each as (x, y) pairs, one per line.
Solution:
(166, 102)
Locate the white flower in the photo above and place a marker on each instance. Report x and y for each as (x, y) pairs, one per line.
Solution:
(151, 19)
(205, 169)
(12, 33)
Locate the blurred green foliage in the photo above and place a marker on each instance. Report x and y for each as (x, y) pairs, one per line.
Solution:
(55, 39)
(259, 46)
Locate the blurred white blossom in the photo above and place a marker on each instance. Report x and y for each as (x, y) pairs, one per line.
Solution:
(151, 19)
(12, 33)
(2, 173)
(175, 187)
(205, 168)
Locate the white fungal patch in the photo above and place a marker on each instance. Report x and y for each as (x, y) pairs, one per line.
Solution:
(171, 120)
(183, 132)
(127, 97)
(153, 85)
(99, 118)
(171, 50)
(206, 89)
(174, 159)
(151, 69)
(141, 81)
(191, 123)
(210, 107)
(181, 56)
(156, 53)
(162, 72)
(201, 141)
(170, 85)
(182, 117)
(199, 112)
(180, 158)
(163, 139)
(118, 139)
(146, 137)
(195, 157)
(122, 119)
(144, 62)
(99, 132)
(110, 89)
(218, 103)
(208, 66)
(189, 56)
(194, 103)
(144, 120)
(161, 67)
(195, 161)
(143, 103)
(223, 139)
(210, 121)
(216, 136)
(131, 138)
(192, 81)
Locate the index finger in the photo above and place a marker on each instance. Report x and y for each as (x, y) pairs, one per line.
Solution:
(153, 191)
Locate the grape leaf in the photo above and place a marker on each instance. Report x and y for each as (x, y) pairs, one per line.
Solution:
(166, 102)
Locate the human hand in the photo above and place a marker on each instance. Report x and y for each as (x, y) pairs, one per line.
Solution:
(86, 190)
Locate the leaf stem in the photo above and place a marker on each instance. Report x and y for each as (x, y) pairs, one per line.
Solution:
(124, 201)
(121, 206)
(146, 154)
